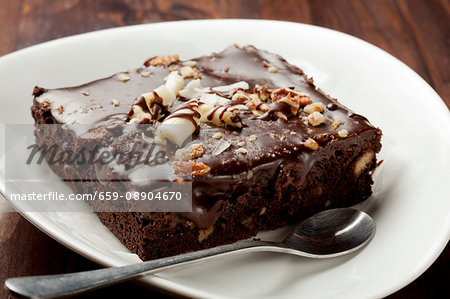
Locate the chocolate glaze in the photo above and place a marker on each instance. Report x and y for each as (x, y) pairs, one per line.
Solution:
(277, 140)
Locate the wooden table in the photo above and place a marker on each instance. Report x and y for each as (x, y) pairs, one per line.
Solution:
(417, 32)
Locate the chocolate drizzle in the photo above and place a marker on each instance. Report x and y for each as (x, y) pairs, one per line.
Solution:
(192, 115)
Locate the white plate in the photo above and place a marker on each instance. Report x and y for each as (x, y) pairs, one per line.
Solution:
(410, 205)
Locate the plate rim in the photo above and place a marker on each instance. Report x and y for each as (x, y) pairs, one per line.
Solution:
(441, 237)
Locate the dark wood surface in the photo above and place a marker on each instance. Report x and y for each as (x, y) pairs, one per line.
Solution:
(415, 31)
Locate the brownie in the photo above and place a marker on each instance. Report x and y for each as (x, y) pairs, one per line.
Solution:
(264, 146)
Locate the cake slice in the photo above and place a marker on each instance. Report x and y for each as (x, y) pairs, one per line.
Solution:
(261, 144)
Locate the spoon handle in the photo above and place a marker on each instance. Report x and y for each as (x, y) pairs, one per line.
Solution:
(52, 286)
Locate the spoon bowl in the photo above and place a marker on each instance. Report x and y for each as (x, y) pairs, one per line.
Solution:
(332, 233)
(327, 234)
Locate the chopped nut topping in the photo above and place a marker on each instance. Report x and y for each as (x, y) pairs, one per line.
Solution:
(214, 58)
(122, 77)
(288, 96)
(60, 109)
(146, 74)
(217, 135)
(241, 143)
(262, 92)
(343, 133)
(194, 151)
(187, 72)
(203, 234)
(183, 168)
(190, 72)
(336, 124)
(197, 150)
(162, 60)
(263, 211)
(241, 151)
(283, 138)
(257, 106)
(311, 144)
(316, 106)
(190, 63)
(226, 69)
(316, 118)
(115, 102)
(173, 68)
(86, 93)
(272, 69)
(252, 138)
(265, 63)
(199, 169)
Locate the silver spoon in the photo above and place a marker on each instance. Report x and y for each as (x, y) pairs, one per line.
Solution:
(327, 234)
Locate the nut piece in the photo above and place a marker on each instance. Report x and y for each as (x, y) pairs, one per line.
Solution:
(336, 124)
(203, 234)
(86, 93)
(217, 135)
(302, 98)
(115, 102)
(290, 97)
(311, 144)
(183, 168)
(60, 109)
(187, 72)
(241, 151)
(343, 133)
(257, 106)
(272, 69)
(146, 74)
(194, 151)
(226, 69)
(252, 138)
(241, 143)
(122, 77)
(315, 118)
(162, 60)
(262, 92)
(316, 106)
(190, 63)
(197, 150)
(363, 162)
(263, 211)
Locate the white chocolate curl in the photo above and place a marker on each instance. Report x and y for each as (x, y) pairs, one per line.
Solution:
(179, 125)
(225, 115)
(192, 90)
(138, 114)
(228, 88)
(167, 92)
